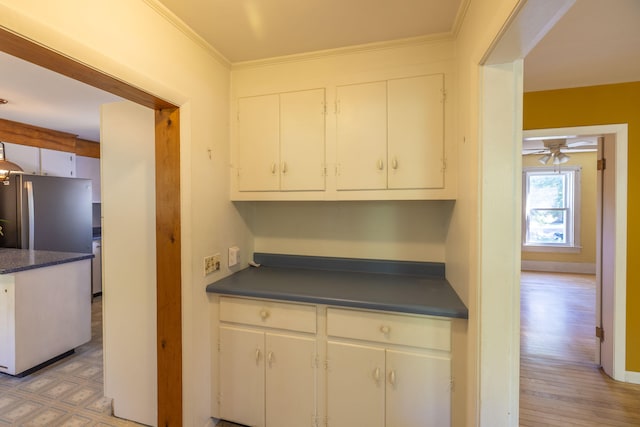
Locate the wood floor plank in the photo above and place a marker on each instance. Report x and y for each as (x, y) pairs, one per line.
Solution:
(560, 384)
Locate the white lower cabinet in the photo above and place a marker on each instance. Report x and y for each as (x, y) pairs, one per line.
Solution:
(387, 370)
(381, 369)
(267, 377)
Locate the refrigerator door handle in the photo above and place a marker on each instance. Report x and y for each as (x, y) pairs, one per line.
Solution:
(30, 212)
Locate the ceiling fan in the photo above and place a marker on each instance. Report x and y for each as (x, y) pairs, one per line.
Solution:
(554, 149)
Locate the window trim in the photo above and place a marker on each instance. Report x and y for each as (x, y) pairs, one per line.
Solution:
(573, 220)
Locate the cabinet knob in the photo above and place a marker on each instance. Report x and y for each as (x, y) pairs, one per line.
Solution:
(257, 355)
(273, 168)
(392, 377)
(394, 164)
(270, 358)
(385, 329)
(284, 167)
(264, 314)
(376, 375)
(380, 164)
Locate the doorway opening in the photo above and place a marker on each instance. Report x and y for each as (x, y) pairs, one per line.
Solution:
(610, 233)
(168, 221)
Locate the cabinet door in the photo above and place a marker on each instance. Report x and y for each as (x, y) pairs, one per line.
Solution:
(89, 168)
(291, 381)
(258, 143)
(28, 158)
(355, 385)
(416, 132)
(57, 163)
(242, 376)
(418, 390)
(362, 136)
(302, 140)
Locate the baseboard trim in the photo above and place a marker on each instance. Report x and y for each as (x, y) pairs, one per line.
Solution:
(559, 267)
(632, 377)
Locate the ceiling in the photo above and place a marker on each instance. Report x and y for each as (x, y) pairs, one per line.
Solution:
(596, 42)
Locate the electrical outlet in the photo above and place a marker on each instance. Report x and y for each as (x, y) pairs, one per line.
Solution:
(211, 264)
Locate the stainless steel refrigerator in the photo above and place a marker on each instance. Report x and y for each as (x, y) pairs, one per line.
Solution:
(46, 213)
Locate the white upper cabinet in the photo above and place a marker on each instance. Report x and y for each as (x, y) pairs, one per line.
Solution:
(415, 113)
(281, 142)
(25, 156)
(302, 140)
(41, 161)
(361, 130)
(258, 143)
(89, 168)
(390, 135)
(57, 163)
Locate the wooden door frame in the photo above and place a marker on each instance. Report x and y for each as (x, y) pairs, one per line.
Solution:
(168, 237)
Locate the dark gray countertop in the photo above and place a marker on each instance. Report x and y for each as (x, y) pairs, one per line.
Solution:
(15, 260)
(284, 279)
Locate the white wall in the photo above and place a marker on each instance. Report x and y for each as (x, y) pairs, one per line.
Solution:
(129, 271)
(409, 230)
(130, 40)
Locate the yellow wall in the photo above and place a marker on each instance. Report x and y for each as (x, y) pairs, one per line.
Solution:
(588, 195)
(600, 105)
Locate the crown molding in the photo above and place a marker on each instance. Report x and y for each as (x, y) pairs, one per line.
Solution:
(172, 18)
(367, 47)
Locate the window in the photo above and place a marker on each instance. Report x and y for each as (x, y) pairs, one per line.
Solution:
(551, 208)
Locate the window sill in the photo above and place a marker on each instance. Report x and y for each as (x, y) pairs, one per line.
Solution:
(561, 249)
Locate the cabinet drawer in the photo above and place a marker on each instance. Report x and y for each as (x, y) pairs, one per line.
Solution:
(416, 331)
(281, 315)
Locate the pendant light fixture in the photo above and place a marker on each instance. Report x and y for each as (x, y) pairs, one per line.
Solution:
(6, 167)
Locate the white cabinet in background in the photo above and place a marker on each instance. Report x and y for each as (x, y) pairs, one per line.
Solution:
(57, 163)
(267, 375)
(281, 142)
(89, 168)
(25, 156)
(390, 134)
(387, 370)
(96, 267)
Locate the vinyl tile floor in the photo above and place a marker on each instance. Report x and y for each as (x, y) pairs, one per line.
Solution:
(67, 393)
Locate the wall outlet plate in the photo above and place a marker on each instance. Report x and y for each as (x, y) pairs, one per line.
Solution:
(211, 264)
(234, 256)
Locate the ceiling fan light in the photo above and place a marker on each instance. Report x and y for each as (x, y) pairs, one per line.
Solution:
(560, 158)
(545, 159)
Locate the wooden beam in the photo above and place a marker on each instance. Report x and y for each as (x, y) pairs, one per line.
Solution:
(20, 133)
(168, 247)
(87, 148)
(28, 50)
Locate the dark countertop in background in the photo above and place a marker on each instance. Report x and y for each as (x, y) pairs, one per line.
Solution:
(15, 260)
(407, 287)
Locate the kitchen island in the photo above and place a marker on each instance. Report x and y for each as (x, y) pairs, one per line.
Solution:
(45, 307)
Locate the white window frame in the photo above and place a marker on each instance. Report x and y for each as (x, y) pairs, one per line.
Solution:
(572, 206)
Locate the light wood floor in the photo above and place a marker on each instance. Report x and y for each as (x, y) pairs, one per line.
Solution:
(560, 384)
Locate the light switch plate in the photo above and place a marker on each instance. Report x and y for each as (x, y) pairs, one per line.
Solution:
(234, 256)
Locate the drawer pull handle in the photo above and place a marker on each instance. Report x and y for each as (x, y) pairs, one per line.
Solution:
(257, 356)
(385, 329)
(376, 375)
(264, 314)
(392, 377)
(270, 358)
(380, 164)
